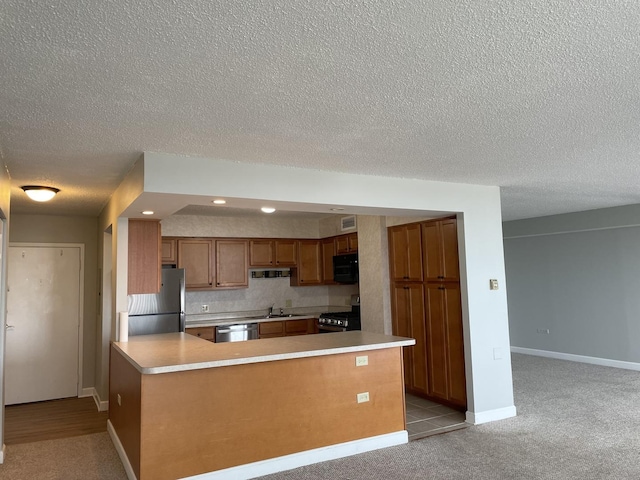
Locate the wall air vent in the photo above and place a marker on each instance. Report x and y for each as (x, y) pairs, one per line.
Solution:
(348, 223)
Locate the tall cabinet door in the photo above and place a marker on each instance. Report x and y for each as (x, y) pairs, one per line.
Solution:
(437, 348)
(455, 340)
(445, 343)
(440, 250)
(405, 248)
(408, 315)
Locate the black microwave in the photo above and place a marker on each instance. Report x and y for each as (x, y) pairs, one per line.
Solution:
(345, 268)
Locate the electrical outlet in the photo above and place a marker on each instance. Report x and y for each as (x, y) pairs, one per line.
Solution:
(204, 308)
(288, 303)
(363, 397)
(544, 331)
(361, 361)
(493, 284)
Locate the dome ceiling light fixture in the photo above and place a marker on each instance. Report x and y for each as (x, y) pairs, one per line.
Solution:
(268, 209)
(40, 193)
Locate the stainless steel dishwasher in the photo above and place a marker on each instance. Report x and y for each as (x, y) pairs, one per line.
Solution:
(237, 333)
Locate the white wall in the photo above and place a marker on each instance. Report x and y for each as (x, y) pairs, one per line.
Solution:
(478, 209)
(578, 276)
(5, 199)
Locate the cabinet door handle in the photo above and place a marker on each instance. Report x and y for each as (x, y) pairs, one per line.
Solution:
(440, 276)
(441, 288)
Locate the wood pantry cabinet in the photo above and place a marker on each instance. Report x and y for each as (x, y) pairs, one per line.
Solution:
(405, 250)
(144, 266)
(426, 305)
(408, 321)
(440, 251)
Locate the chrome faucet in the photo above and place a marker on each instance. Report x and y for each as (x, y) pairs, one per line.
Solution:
(271, 309)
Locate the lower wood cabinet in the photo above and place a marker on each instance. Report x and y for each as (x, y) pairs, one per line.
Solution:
(286, 328)
(206, 333)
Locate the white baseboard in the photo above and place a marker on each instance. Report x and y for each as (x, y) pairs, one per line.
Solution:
(287, 462)
(103, 406)
(121, 453)
(605, 362)
(490, 415)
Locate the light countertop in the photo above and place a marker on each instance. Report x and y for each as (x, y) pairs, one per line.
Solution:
(215, 322)
(175, 352)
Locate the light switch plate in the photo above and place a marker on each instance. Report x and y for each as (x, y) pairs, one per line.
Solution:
(493, 284)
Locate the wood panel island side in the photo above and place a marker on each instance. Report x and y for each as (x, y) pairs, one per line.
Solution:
(180, 406)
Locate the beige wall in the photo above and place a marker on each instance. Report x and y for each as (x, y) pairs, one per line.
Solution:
(59, 229)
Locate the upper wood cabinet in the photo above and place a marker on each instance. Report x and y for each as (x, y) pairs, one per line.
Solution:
(261, 253)
(286, 252)
(440, 250)
(405, 253)
(309, 268)
(232, 264)
(273, 253)
(195, 255)
(328, 247)
(346, 243)
(169, 251)
(144, 257)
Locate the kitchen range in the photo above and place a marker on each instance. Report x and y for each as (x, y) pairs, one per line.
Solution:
(341, 321)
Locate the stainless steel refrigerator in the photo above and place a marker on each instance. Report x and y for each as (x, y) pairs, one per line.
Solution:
(161, 312)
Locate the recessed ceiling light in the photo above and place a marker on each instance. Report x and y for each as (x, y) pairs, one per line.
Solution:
(39, 193)
(147, 212)
(268, 209)
(219, 201)
(337, 209)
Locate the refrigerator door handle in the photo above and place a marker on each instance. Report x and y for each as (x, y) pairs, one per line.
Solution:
(183, 316)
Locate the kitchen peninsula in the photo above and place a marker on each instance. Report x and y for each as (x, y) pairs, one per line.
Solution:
(182, 406)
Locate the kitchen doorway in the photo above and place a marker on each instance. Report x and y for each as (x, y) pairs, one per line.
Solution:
(43, 331)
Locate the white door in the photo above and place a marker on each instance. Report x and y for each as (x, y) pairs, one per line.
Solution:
(43, 302)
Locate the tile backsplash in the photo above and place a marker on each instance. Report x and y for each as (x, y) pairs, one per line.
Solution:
(265, 292)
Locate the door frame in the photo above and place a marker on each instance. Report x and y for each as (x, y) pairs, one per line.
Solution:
(79, 385)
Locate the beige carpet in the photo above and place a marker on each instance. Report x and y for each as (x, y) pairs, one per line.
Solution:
(85, 457)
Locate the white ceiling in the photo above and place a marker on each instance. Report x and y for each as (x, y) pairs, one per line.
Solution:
(538, 97)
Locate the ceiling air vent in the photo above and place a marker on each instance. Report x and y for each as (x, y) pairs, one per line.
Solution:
(348, 223)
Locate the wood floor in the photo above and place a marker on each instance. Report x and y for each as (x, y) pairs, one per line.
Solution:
(67, 417)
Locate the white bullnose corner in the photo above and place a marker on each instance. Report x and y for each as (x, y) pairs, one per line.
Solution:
(2, 454)
(490, 415)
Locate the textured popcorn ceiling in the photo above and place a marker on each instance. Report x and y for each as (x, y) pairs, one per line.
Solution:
(538, 97)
